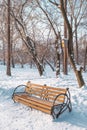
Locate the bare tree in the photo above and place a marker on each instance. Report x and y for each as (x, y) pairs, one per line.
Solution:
(77, 12)
(70, 44)
(21, 26)
(70, 50)
(56, 32)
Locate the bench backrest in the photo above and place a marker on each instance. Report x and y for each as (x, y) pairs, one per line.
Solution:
(45, 92)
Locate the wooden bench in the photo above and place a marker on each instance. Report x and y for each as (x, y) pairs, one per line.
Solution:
(47, 99)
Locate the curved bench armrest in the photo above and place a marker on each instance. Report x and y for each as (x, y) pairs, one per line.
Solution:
(61, 107)
(61, 94)
(15, 90)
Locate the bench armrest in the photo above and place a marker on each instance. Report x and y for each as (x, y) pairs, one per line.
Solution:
(58, 96)
(67, 99)
(16, 89)
(57, 109)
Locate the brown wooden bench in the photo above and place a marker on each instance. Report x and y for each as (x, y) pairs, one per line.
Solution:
(47, 99)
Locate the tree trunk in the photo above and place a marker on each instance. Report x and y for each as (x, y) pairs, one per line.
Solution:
(32, 49)
(65, 48)
(12, 55)
(9, 46)
(39, 66)
(13, 64)
(76, 38)
(77, 72)
(49, 64)
(4, 61)
(57, 57)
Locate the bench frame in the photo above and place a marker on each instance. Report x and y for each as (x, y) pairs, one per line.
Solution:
(56, 109)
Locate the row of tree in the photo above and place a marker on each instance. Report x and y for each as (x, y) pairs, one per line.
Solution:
(36, 28)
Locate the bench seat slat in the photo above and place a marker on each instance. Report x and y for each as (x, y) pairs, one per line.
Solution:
(33, 106)
(41, 101)
(33, 102)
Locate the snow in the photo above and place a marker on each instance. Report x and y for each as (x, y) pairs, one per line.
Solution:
(15, 116)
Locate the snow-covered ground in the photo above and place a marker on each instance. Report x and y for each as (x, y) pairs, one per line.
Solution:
(14, 116)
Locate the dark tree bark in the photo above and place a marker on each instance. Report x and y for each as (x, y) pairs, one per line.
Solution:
(48, 62)
(4, 60)
(57, 57)
(65, 48)
(32, 49)
(76, 38)
(9, 45)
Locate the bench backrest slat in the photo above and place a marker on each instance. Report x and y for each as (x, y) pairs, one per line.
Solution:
(45, 92)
